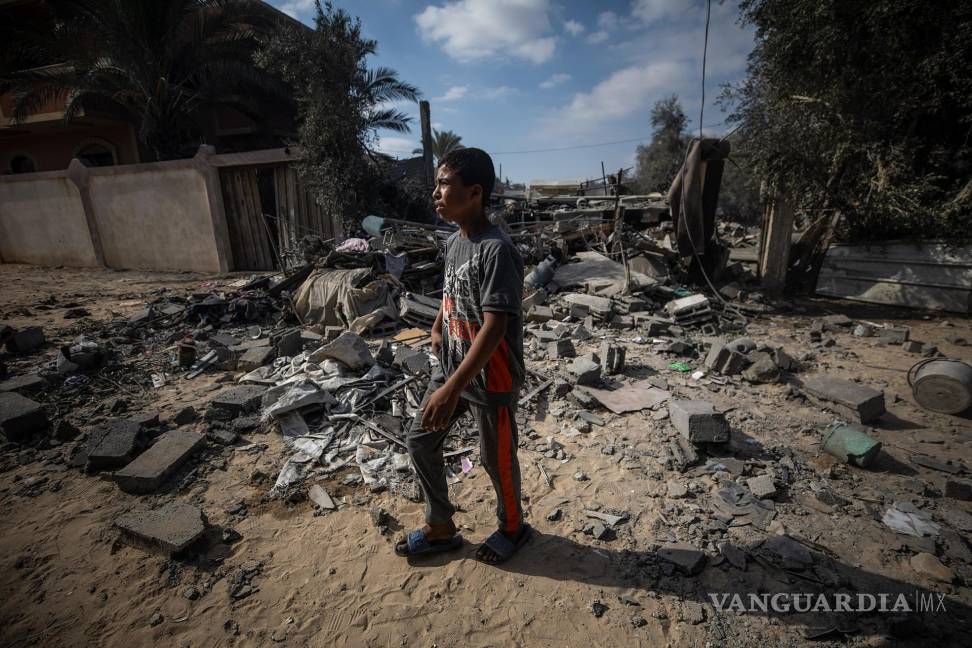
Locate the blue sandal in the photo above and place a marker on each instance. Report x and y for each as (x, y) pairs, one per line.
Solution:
(417, 543)
(502, 547)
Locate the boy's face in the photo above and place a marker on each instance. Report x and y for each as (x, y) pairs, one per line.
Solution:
(454, 201)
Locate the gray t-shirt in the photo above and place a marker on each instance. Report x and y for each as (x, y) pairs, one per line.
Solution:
(484, 273)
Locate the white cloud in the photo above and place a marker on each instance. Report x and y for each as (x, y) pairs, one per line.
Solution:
(455, 93)
(627, 91)
(649, 11)
(597, 37)
(607, 20)
(555, 80)
(573, 27)
(397, 146)
(296, 8)
(473, 30)
(498, 92)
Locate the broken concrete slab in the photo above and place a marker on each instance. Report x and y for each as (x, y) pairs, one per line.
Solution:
(169, 529)
(930, 567)
(320, 497)
(154, 466)
(539, 314)
(239, 400)
(858, 402)
(698, 421)
(26, 340)
(686, 558)
(632, 397)
(599, 306)
(413, 361)
(289, 344)
(348, 348)
(21, 384)
(254, 358)
(114, 444)
(20, 417)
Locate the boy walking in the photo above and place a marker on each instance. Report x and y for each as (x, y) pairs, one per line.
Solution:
(478, 336)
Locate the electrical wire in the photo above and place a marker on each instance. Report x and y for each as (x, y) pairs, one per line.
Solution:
(681, 215)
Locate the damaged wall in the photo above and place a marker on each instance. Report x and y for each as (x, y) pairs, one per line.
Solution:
(42, 221)
(155, 218)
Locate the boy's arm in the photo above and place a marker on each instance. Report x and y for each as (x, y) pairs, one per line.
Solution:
(437, 331)
(442, 403)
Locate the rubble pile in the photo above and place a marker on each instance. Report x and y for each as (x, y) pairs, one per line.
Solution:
(624, 346)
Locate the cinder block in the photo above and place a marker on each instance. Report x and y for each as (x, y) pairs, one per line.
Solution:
(857, 402)
(561, 349)
(20, 417)
(698, 421)
(158, 463)
(114, 444)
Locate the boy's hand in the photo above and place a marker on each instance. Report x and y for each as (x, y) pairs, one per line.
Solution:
(439, 408)
(436, 341)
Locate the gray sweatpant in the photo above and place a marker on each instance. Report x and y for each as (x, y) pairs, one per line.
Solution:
(497, 443)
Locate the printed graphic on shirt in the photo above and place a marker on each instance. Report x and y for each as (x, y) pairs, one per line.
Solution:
(460, 313)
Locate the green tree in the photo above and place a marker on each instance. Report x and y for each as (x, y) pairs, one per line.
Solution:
(162, 64)
(382, 86)
(443, 143)
(340, 106)
(657, 163)
(863, 107)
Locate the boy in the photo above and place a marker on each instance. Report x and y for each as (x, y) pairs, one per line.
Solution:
(478, 336)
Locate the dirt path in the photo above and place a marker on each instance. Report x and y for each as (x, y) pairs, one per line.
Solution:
(333, 580)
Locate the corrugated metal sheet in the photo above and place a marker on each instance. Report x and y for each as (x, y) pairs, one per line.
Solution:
(932, 274)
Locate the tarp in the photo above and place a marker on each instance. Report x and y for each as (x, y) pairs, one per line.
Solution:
(352, 298)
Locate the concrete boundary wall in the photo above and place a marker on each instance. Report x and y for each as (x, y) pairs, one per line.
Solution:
(155, 216)
(43, 222)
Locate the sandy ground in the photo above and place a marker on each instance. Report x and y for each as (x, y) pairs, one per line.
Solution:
(333, 580)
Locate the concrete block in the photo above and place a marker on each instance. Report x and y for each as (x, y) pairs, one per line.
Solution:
(578, 311)
(724, 360)
(20, 417)
(621, 322)
(223, 339)
(154, 466)
(698, 421)
(763, 369)
(586, 370)
(28, 383)
(255, 358)
(958, 489)
(612, 357)
(762, 487)
(857, 402)
(240, 400)
(539, 314)
(912, 346)
(894, 335)
(289, 344)
(599, 306)
(185, 416)
(26, 340)
(561, 349)
(169, 529)
(114, 444)
(412, 360)
(687, 558)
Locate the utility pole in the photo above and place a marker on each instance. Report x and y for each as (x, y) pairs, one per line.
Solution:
(427, 145)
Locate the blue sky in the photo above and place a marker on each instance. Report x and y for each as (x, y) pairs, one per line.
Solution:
(526, 75)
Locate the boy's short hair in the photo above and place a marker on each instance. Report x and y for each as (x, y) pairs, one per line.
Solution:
(474, 166)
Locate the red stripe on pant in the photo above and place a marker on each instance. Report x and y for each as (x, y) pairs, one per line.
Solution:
(504, 460)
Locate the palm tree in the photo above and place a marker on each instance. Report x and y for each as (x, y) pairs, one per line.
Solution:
(162, 64)
(443, 143)
(382, 86)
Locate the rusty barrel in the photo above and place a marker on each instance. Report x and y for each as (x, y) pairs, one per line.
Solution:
(942, 385)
